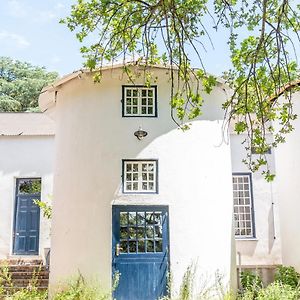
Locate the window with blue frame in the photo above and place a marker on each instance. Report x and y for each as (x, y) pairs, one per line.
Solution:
(243, 206)
(140, 176)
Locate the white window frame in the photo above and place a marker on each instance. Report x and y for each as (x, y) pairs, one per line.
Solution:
(243, 207)
(139, 98)
(138, 177)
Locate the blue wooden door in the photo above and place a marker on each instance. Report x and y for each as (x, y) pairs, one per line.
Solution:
(140, 251)
(27, 217)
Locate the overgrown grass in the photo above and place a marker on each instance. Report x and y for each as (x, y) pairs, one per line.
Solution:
(285, 287)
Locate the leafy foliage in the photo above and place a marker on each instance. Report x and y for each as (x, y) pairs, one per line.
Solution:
(251, 283)
(263, 40)
(287, 276)
(45, 207)
(20, 84)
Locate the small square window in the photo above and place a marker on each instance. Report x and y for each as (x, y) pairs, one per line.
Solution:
(139, 101)
(140, 176)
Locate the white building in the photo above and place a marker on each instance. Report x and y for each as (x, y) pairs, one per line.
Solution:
(26, 173)
(142, 207)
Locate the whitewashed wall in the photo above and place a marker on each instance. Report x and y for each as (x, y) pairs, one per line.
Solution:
(288, 166)
(265, 249)
(21, 157)
(194, 179)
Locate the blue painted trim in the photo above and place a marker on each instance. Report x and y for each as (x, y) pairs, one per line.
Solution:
(252, 205)
(140, 160)
(139, 116)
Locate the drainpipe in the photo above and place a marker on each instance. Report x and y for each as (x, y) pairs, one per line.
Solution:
(239, 268)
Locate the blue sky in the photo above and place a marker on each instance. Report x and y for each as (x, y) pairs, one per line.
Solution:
(30, 31)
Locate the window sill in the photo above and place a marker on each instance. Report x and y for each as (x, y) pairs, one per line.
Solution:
(247, 239)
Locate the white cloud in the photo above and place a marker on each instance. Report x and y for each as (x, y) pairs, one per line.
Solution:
(59, 6)
(46, 15)
(55, 60)
(18, 40)
(17, 9)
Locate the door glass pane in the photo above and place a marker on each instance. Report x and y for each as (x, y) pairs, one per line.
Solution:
(158, 246)
(29, 186)
(132, 218)
(123, 219)
(123, 233)
(132, 233)
(141, 246)
(123, 245)
(140, 218)
(132, 246)
(150, 246)
(149, 232)
(141, 232)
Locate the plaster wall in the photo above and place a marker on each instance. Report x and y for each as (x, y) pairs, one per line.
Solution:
(265, 248)
(21, 157)
(92, 138)
(287, 167)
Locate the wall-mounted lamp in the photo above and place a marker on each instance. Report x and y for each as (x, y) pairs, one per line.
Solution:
(140, 134)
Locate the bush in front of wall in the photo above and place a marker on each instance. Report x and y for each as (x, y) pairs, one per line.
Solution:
(250, 281)
(288, 276)
(278, 291)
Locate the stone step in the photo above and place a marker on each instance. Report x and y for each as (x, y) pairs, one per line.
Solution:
(24, 273)
(36, 269)
(26, 282)
(21, 261)
(29, 275)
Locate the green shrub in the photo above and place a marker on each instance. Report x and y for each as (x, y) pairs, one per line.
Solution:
(250, 281)
(278, 291)
(288, 276)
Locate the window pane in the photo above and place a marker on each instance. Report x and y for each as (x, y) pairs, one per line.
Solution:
(123, 245)
(149, 232)
(29, 186)
(123, 233)
(150, 246)
(132, 246)
(141, 246)
(140, 233)
(131, 218)
(123, 219)
(140, 218)
(158, 246)
(132, 233)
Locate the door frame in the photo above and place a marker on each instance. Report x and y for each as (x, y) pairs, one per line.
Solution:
(136, 207)
(13, 252)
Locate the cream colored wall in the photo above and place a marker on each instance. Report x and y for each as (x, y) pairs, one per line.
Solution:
(194, 179)
(288, 166)
(265, 248)
(21, 157)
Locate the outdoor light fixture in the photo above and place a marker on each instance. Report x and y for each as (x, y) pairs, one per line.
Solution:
(140, 134)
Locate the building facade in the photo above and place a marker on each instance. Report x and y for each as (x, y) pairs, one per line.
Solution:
(143, 208)
(26, 174)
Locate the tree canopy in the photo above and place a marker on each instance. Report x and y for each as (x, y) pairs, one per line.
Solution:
(263, 42)
(20, 85)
